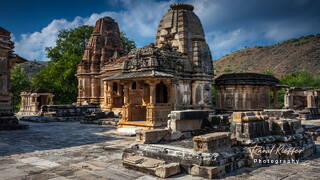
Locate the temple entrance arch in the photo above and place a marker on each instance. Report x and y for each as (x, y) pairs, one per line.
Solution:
(137, 107)
(161, 93)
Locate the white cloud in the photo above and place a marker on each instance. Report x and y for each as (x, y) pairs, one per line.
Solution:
(139, 21)
(229, 25)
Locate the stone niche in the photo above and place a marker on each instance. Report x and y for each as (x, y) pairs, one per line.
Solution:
(32, 101)
(246, 92)
(7, 60)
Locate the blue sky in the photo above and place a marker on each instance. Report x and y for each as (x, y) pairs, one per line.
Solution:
(229, 24)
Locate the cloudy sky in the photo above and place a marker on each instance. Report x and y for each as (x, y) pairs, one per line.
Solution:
(229, 24)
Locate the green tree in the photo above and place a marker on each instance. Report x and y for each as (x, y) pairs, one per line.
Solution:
(128, 43)
(301, 79)
(19, 82)
(59, 74)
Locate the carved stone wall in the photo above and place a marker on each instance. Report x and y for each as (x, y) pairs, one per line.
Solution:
(104, 45)
(7, 60)
(246, 91)
(181, 28)
(180, 59)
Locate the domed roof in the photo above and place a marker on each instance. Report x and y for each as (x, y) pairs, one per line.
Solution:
(246, 79)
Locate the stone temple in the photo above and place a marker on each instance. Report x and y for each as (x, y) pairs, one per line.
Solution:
(246, 91)
(7, 61)
(144, 85)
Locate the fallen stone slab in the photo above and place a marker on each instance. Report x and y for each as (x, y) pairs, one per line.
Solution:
(151, 166)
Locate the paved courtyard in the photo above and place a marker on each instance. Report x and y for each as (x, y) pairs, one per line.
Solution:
(60, 151)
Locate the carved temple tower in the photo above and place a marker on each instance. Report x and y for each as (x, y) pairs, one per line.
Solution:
(182, 29)
(104, 44)
(146, 84)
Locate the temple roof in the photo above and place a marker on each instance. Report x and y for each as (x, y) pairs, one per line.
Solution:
(140, 74)
(246, 79)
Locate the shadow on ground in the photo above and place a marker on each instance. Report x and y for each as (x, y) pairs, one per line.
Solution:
(55, 135)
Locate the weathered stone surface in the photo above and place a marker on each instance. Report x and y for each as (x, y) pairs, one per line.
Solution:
(168, 170)
(245, 91)
(285, 126)
(7, 60)
(151, 166)
(213, 142)
(248, 116)
(305, 101)
(208, 172)
(144, 85)
(104, 45)
(152, 136)
(187, 120)
(32, 101)
(98, 117)
(219, 119)
(94, 152)
(182, 29)
(281, 113)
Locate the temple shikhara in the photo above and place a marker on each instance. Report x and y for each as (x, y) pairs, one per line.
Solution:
(144, 85)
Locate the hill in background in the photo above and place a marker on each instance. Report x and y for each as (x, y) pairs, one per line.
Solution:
(281, 59)
(32, 67)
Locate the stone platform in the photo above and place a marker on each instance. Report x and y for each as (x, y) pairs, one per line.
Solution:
(70, 150)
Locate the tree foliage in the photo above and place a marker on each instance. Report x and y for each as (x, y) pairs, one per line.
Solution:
(128, 43)
(301, 79)
(58, 76)
(19, 82)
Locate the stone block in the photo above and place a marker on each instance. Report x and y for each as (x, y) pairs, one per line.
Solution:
(249, 116)
(285, 126)
(250, 129)
(168, 170)
(207, 172)
(213, 142)
(152, 136)
(187, 120)
(190, 114)
(184, 125)
(216, 120)
(151, 166)
(281, 113)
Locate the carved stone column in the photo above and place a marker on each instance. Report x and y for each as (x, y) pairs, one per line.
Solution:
(126, 94)
(152, 93)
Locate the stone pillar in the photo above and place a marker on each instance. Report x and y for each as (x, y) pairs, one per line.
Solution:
(152, 93)
(126, 94)
(310, 101)
(105, 92)
(288, 100)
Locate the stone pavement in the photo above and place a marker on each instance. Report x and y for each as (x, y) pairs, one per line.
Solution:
(70, 150)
